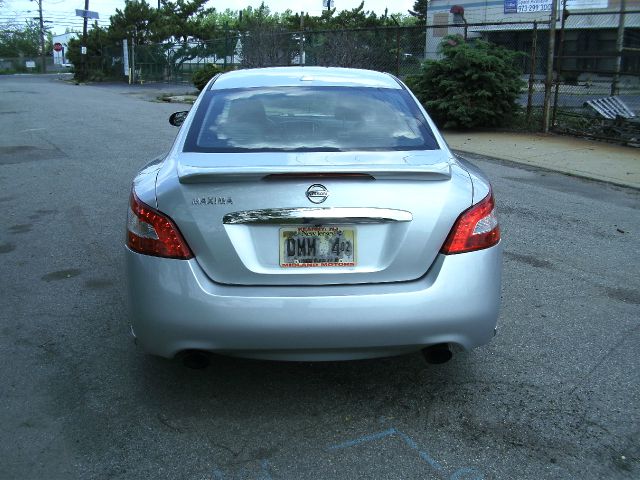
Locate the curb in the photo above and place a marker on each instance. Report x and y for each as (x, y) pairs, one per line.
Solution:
(534, 166)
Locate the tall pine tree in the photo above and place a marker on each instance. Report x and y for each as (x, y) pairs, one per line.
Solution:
(420, 9)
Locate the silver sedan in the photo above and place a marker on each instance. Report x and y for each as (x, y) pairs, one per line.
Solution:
(308, 213)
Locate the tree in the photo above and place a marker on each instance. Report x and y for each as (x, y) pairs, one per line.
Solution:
(137, 22)
(350, 38)
(183, 20)
(419, 10)
(99, 46)
(202, 76)
(185, 32)
(181, 25)
(357, 17)
(20, 40)
(474, 85)
(215, 21)
(266, 40)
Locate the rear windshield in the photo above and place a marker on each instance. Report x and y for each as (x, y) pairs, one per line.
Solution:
(315, 119)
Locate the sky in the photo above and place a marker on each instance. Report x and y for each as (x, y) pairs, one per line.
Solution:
(61, 13)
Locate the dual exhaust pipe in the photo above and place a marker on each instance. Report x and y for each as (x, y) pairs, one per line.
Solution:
(433, 354)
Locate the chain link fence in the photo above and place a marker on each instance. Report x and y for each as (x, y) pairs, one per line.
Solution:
(593, 58)
(28, 64)
(529, 39)
(597, 56)
(397, 50)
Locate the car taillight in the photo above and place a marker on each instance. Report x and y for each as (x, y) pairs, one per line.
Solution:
(153, 233)
(476, 228)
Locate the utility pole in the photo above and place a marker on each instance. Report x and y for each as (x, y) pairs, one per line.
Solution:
(83, 48)
(329, 4)
(43, 59)
(548, 83)
(619, 49)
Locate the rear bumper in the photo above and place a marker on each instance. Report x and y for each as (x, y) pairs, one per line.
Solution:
(174, 306)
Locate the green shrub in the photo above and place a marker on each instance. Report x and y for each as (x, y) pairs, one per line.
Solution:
(96, 76)
(475, 84)
(204, 74)
(570, 78)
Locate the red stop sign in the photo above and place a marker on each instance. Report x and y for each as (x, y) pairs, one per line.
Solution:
(57, 47)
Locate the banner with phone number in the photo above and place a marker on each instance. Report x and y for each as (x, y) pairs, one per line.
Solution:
(532, 6)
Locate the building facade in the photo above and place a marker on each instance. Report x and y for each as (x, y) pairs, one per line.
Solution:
(60, 56)
(589, 43)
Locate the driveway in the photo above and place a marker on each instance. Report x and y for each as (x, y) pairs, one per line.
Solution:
(555, 395)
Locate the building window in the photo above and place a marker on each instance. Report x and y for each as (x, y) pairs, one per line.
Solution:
(631, 56)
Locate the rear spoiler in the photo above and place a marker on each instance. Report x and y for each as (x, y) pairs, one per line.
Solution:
(223, 174)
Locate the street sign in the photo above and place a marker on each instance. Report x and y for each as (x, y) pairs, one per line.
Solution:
(57, 47)
(510, 6)
(328, 3)
(83, 50)
(87, 14)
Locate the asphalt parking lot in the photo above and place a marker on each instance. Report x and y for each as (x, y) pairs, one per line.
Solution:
(556, 395)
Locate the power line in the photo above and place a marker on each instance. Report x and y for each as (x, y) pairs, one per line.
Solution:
(59, 18)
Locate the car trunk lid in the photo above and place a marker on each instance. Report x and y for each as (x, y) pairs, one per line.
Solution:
(239, 212)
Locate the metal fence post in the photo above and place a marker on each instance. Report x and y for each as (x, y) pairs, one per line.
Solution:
(226, 44)
(426, 28)
(301, 54)
(234, 39)
(133, 57)
(619, 49)
(559, 78)
(532, 68)
(397, 51)
(548, 83)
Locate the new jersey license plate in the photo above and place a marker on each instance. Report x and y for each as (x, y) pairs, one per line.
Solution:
(323, 246)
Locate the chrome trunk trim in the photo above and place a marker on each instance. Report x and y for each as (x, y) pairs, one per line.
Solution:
(329, 215)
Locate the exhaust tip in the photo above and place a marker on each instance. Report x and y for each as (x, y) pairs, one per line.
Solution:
(437, 354)
(195, 359)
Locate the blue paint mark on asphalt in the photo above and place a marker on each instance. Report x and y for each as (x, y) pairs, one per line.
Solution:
(423, 455)
(264, 474)
(460, 474)
(430, 460)
(365, 439)
(218, 474)
(466, 473)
